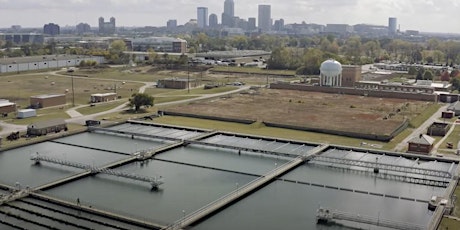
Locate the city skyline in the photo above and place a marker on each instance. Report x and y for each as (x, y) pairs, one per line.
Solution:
(425, 16)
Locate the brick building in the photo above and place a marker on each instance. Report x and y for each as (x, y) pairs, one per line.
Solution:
(7, 107)
(422, 144)
(351, 74)
(47, 100)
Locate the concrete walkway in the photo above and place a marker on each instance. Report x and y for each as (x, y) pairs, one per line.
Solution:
(422, 129)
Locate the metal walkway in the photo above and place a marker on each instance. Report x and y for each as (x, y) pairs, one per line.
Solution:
(243, 191)
(154, 181)
(240, 148)
(385, 166)
(132, 134)
(327, 216)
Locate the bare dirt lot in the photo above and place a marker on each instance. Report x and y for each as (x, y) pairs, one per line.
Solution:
(359, 114)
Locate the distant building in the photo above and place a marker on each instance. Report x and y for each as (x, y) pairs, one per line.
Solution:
(252, 24)
(51, 29)
(83, 28)
(265, 18)
(213, 23)
(159, 44)
(202, 17)
(47, 100)
(22, 38)
(339, 29)
(107, 27)
(279, 25)
(228, 14)
(171, 24)
(392, 26)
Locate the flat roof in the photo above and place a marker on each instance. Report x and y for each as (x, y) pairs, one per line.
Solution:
(44, 58)
(234, 53)
(45, 96)
(103, 94)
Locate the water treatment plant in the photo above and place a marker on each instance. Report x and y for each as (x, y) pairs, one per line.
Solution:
(139, 175)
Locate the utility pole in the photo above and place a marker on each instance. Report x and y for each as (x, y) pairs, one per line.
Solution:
(73, 93)
(188, 78)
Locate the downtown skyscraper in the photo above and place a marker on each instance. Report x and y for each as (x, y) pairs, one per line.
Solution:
(265, 18)
(228, 14)
(202, 17)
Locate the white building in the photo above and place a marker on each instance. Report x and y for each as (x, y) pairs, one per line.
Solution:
(331, 73)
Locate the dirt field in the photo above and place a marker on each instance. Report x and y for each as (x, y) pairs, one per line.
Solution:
(309, 109)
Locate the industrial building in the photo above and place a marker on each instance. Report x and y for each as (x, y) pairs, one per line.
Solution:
(45, 127)
(7, 107)
(47, 100)
(22, 38)
(20, 64)
(103, 97)
(159, 44)
(177, 83)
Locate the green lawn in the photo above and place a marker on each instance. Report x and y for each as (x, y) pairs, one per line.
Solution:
(42, 115)
(454, 137)
(119, 74)
(427, 113)
(100, 107)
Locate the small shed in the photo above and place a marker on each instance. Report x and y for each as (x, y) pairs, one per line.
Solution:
(103, 97)
(438, 129)
(25, 113)
(422, 144)
(45, 127)
(47, 100)
(447, 114)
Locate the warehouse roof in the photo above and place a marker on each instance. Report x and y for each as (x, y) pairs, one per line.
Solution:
(46, 124)
(45, 96)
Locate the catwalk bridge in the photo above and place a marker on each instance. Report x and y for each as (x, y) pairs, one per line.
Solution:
(328, 216)
(155, 182)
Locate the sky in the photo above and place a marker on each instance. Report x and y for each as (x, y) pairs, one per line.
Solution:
(422, 15)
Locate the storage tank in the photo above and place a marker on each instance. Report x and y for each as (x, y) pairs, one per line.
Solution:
(25, 113)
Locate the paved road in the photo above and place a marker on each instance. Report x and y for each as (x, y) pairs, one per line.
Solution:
(422, 129)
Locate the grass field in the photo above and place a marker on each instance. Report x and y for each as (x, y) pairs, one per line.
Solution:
(315, 110)
(424, 115)
(454, 138)
(20, 88)
(100, 107)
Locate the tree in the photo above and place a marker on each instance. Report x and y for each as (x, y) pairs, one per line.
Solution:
(140, 99)
(428, 75)
(116, 52)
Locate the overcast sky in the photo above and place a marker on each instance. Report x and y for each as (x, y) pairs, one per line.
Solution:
(423, 15)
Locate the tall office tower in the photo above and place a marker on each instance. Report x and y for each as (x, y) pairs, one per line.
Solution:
(213, 21)
(392, 26)
(265, 18)
(229, 13)
(171, 24)
(202, 17)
